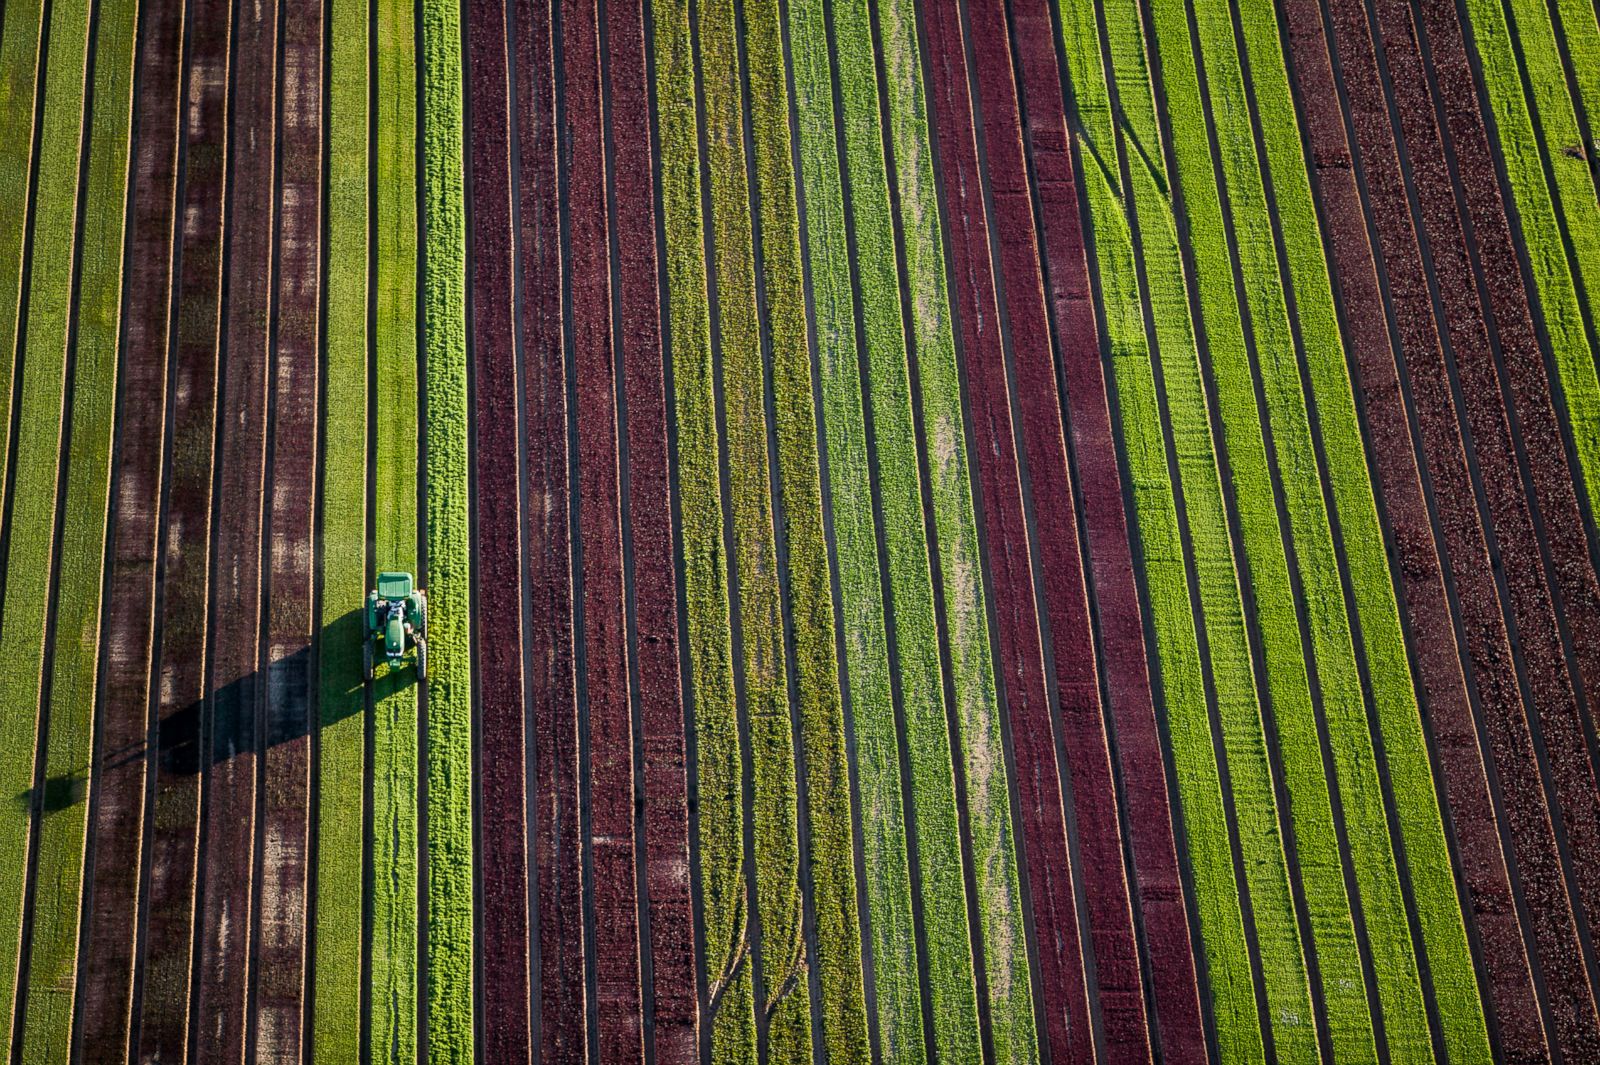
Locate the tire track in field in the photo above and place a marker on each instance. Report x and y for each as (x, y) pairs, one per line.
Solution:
(609, 845)
(283, 857)
(110, 936)
(184, 575)
(1410, 406)
(1066, 1010)
(231, 732)
(506, 1003)
(1518, 455)
(669, 963)
(1036, 340)
(1142, 785)
(553, 794)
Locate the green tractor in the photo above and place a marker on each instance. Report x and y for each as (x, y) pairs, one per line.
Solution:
(397, 617)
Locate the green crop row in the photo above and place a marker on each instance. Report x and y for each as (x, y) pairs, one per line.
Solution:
(1394, 697)
(976, 710)
(1180, 401)
(1286, 674)
(1539, 206)
(40, 397)
(19, 79)
(820, 707)
(393, 962)
(753, 548)
(59, 877)
(717, 765)
(450, 852)
(338, 969)
(840, 366)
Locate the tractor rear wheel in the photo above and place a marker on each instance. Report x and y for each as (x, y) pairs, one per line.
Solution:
(422, 659)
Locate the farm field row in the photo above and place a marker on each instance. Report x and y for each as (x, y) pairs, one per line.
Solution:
(998, 531)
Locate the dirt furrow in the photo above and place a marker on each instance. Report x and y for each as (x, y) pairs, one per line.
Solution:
(1119, 983)
(236, 684)
(649, 520)
(110, 936)
(1019, 654)
(1500, 330)
(610, 845)
(184, 574)
(554, 792)
(280, 979)
(498, 575)
(1405, 299)
(1137, 734)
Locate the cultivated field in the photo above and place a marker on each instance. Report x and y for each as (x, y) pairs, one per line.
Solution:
(1000, 532)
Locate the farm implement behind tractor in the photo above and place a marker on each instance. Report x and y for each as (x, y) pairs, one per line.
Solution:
(397, 617)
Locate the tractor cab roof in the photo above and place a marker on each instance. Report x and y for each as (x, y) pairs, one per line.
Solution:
(394, 585)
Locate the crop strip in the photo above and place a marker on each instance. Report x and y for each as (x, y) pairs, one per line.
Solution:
(109, 939)
(450, 961)
(830, 921)
(337, 961)
(1510, 359)
(668, 956)
(990, 373)
(1037, 340)
(74, 631)
(236, 683)
(498, 548)
(279, 987)
(1231, 802)
(22, 39)
(1137, 738)
(184, 575)
(1396, 420)
(610, 843)
(553, 819)
(33, 495)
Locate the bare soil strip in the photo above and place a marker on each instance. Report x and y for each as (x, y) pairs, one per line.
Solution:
(647, 524)
(1041, 793)
(110, 935)
(1515, 438)
(236, 682)
(1137, 740)
(610, 844)
(551, 692)
(184, 575)
(498, 576)
(279, 982)
(1398, 406)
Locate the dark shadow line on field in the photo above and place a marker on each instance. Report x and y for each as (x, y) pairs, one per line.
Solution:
(1425, 480)
(1077, 873)
(1123, 136)
(1479, 270)
(1358, 639)
(1244, 309)
(930, 534)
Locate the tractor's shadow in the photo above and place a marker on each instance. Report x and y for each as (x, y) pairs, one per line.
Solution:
(281, 704)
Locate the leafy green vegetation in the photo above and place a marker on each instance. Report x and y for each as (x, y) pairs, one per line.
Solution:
(19, 79)
(47, 1032)
(450, 852)
(394, 956)
(976, 710)
(1144, 406)
(1540, 207)
(40, 397)
(717, 765)
(1394, 697)
(337, 962)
